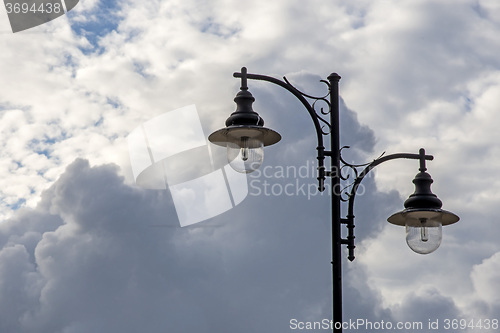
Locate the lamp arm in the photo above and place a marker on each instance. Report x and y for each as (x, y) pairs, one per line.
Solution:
(295, 92)
(349, 221)
(310, 109)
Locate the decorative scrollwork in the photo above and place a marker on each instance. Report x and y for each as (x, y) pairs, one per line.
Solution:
(316, 99)
(324, 121)
(345, 191)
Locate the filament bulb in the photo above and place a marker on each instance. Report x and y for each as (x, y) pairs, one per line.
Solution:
(244, 148)
(244, 154)
(424, 232)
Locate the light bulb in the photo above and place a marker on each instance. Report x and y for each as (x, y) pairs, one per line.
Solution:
(246, 155)
(423, 235)
(244, 149)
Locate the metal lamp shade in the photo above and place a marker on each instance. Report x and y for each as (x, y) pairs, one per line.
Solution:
(234, 134)
(413, 216)
(422, 205)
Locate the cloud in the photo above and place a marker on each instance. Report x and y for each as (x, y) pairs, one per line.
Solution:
(68, 260)
(426, 307)
(99, 255)
(485, 278)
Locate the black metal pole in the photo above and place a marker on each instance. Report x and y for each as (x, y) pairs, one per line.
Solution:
(335, 191)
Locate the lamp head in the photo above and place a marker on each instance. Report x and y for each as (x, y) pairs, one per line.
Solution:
(423, 216)
(244, 135)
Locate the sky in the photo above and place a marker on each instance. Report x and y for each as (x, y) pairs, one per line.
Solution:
(84, 248)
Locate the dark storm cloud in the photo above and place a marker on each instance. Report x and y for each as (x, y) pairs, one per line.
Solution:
(99, 255)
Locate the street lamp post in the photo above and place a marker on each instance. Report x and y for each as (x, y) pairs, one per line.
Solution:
(245, 136)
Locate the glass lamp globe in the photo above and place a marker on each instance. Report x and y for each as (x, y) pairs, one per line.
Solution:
(425, 238)
(423, 227)
(245, 155)
(423, 231)
(245, 145)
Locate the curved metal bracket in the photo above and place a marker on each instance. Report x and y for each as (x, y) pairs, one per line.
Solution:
(349, 221)
(297, 93)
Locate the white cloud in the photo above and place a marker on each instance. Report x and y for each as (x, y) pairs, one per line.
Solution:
(486, 277)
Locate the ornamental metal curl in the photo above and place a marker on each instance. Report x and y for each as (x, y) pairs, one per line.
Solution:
(345, 193)
(317, 99)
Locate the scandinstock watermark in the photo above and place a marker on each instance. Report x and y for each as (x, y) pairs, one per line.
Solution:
(299, 180)
(26, 14)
